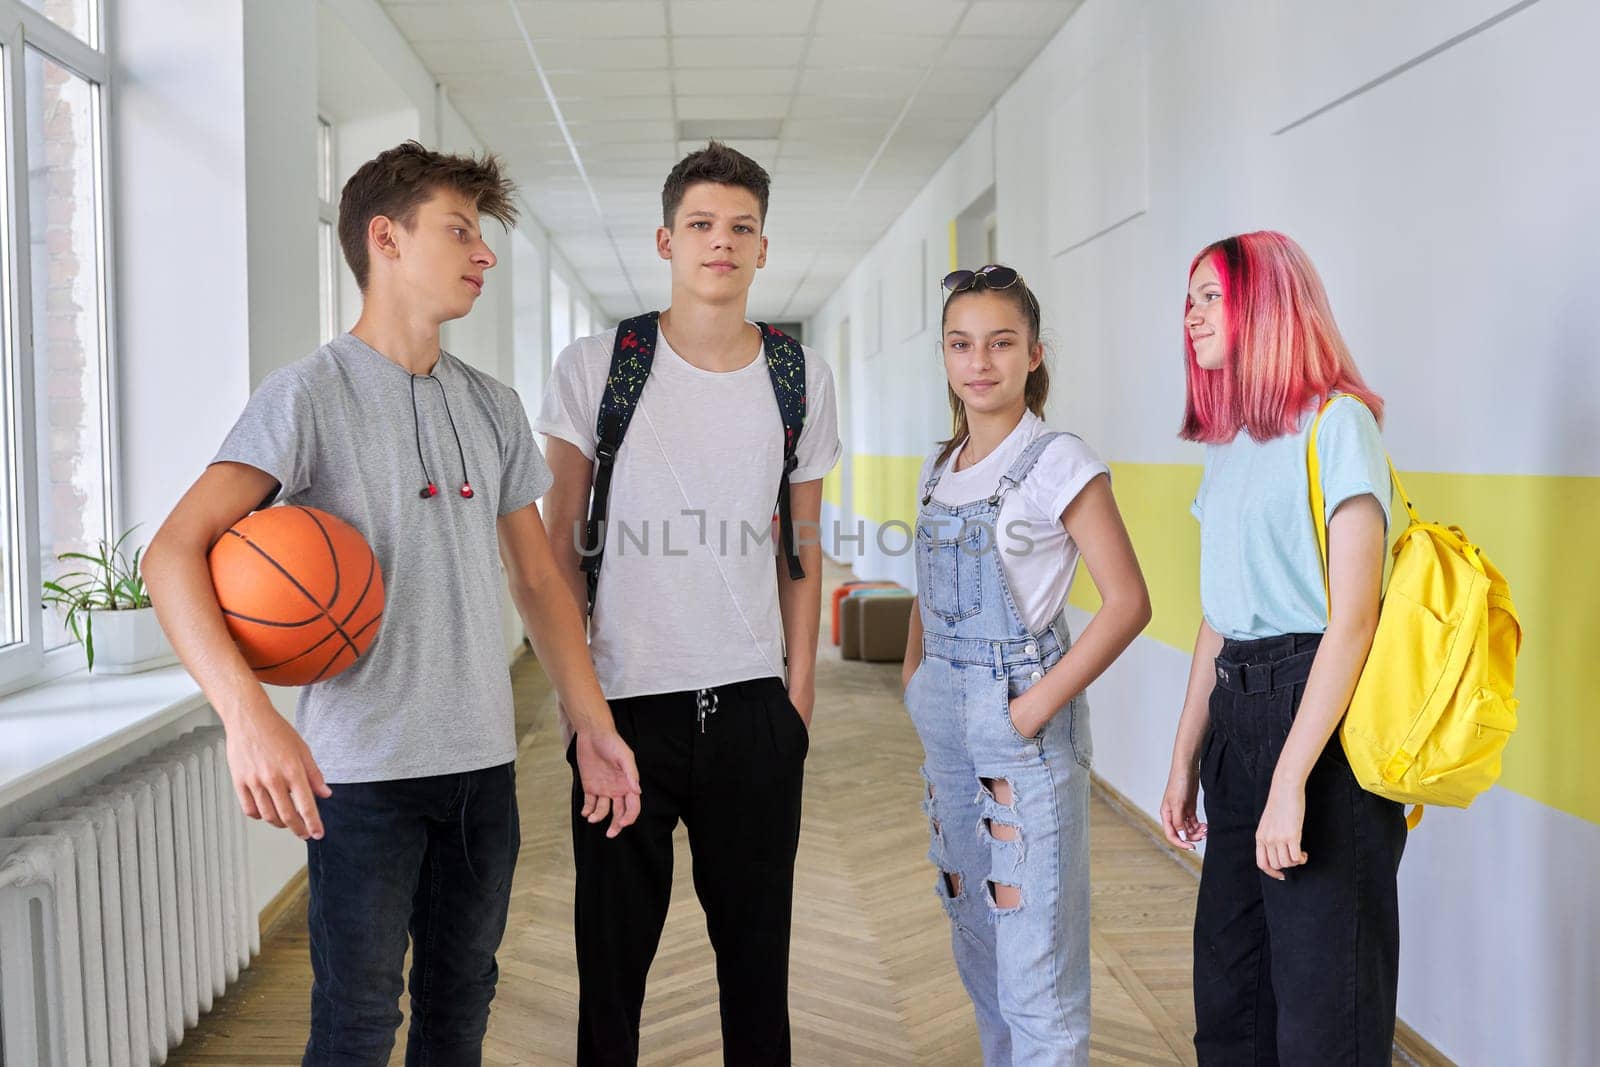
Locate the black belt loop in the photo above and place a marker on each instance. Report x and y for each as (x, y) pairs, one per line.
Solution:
(1254, 678)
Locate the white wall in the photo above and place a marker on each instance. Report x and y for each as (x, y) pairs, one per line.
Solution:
(178, 185)
(1450, 210)
(280, 108)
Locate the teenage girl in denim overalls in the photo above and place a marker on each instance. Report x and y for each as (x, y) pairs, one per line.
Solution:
(1007, 505)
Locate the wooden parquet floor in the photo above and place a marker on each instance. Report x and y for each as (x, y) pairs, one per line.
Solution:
(872, 981)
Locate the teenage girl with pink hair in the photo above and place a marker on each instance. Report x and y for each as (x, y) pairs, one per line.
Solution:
(1296, 938)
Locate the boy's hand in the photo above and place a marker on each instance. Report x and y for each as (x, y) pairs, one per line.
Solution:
(273, 772)
(610, 779)
(803, 695)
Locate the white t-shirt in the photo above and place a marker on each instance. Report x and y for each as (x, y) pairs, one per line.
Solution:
(688, 594)
(1039, 574)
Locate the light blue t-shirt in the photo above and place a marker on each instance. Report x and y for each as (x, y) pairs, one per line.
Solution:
(1260, 570)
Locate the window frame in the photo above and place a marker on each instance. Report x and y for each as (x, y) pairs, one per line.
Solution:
(328, 215)
(27, 662)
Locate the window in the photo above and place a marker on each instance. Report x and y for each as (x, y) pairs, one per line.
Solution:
(560, 314)
(57, 460)
(78, 17)
(581, 325)
(327, 233)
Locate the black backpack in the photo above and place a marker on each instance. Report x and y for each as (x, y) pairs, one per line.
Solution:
(631, 357)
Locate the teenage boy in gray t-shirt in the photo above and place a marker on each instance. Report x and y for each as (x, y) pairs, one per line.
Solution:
(400, 777)
(705, 645)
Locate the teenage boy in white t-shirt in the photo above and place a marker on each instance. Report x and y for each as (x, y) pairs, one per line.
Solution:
(693, 615)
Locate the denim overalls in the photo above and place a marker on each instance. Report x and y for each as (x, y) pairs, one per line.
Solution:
(1026, 968)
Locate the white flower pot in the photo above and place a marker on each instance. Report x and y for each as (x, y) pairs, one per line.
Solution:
(126, 642)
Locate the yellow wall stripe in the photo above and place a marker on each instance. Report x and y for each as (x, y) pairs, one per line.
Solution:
(1535, 528)
(833, 484)
(885, 488)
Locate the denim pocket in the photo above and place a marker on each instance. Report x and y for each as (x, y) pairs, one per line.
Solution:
(950, 571)
(1078, 735)
(1019, 681)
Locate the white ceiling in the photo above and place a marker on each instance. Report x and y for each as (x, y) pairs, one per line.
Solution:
(866, 98)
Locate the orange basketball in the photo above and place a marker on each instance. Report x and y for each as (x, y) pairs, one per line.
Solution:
(301, 592)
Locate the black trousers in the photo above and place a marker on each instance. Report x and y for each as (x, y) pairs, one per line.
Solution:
(729, 762)
(1301, 971)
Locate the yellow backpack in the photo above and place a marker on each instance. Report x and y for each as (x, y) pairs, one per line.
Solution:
(1433, 707)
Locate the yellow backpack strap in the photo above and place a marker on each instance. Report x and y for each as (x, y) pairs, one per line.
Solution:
(1314, 478)
(1319, 521)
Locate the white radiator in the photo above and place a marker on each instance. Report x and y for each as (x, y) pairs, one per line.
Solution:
(124, 912)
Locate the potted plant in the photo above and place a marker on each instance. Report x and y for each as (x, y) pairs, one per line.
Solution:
(107, 609)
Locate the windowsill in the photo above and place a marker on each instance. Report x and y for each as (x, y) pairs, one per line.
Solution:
(51, 730)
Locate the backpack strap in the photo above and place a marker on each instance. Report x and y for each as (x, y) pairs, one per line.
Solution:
(786, 365)
(632, 354)
(1319, 521)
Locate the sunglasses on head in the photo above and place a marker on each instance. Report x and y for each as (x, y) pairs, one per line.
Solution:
(993, 276)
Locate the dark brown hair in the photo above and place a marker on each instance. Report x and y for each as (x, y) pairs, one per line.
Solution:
(717, 163)
(1037, 388)
(400, 180)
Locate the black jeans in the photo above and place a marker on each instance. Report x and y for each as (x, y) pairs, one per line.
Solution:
(733, 775)
(429, 856)
(1301, 971)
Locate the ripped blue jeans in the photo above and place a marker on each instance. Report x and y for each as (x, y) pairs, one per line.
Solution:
(1009, 820)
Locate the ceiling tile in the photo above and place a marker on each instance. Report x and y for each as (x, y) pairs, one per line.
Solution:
(888, 16)
(691, 52)
(732, 106)
(862, 50)
(625, 55)
(1006, 53)
(1034, 19)
(896, 80)
(839, 107)
(518, 84)
(649, 130)
(454, 22)
(735, 17)
(473, 57)
(609, 84)
(631, 108)
(757, 81)
(586, 18)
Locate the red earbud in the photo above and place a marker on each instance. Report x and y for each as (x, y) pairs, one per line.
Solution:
(429, 490)
(466, 490)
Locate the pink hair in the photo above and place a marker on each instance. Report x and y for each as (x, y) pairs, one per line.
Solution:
(1284, 349)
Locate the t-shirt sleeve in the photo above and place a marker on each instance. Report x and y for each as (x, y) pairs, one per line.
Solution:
(524, 475)
(1059, 475)
(571, 401)
(1195, 507)
(819, 448)
(1350, 452)
(276, 433)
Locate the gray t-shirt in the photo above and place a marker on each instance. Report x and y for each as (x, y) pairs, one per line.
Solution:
(432, 695)
(688, 594)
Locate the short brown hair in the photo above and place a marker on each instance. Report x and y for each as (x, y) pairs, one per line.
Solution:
(716, 163)
(398, 181)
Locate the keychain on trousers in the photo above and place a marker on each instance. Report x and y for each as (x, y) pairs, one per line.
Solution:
(705, 702)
